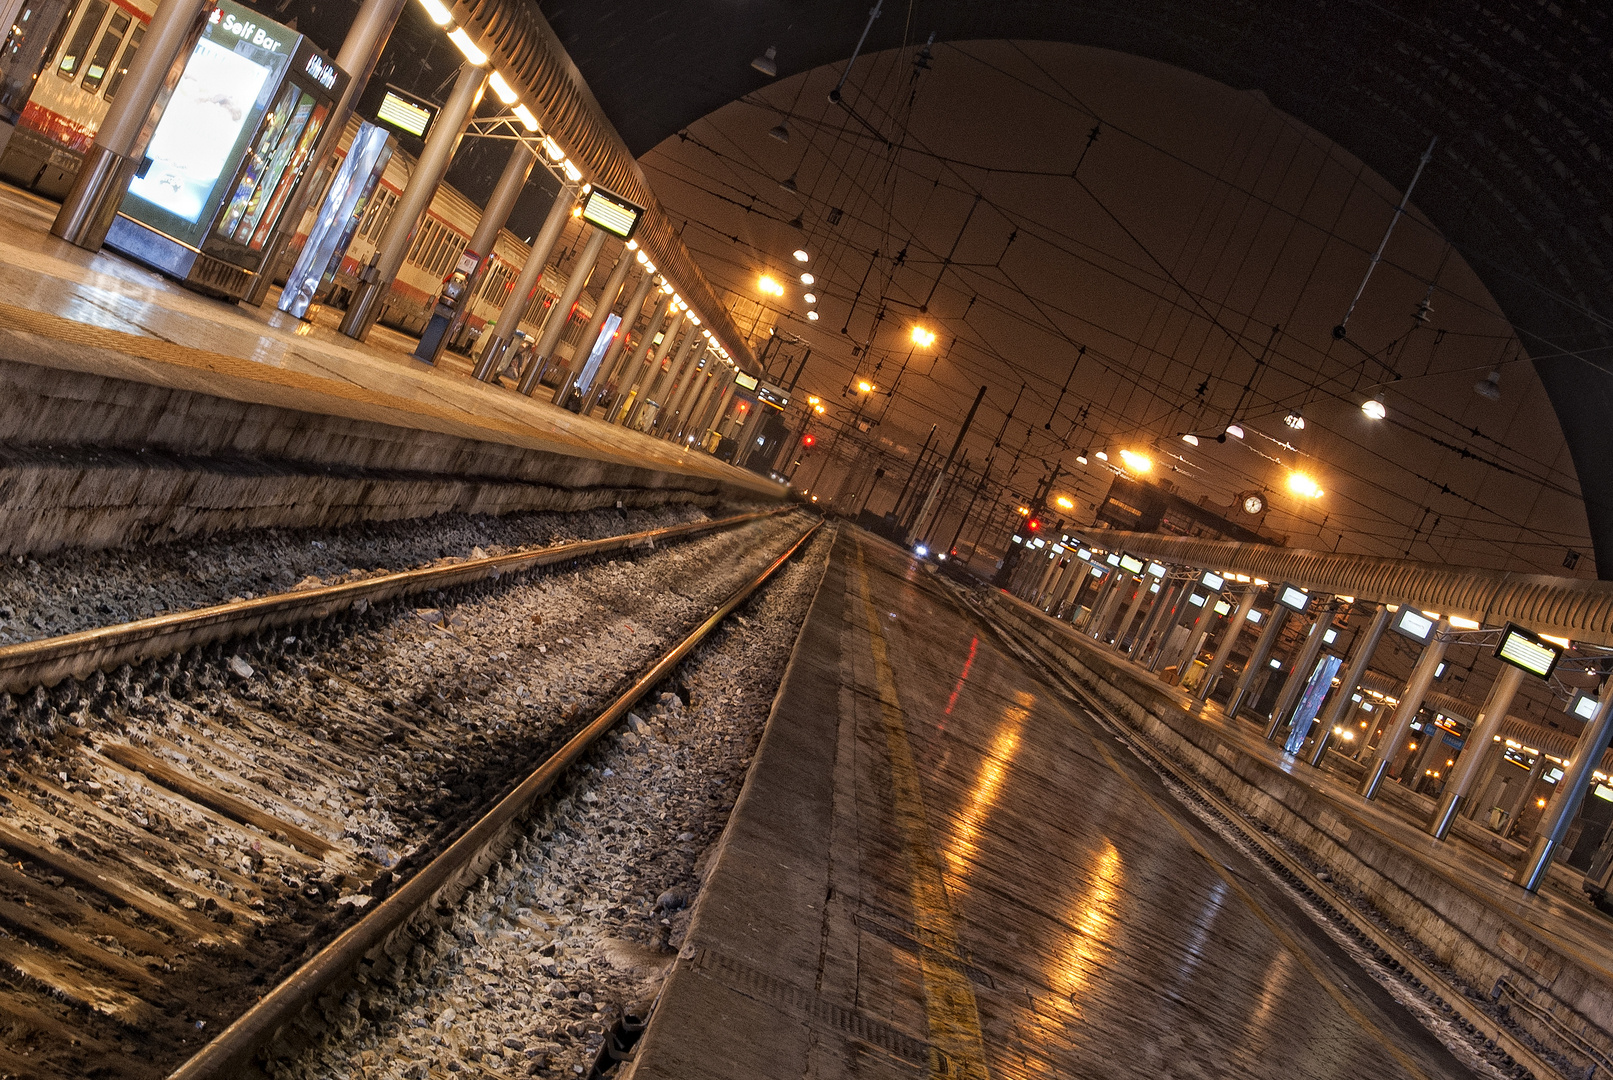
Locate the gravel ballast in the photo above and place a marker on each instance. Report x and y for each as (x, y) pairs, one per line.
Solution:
(581, 922)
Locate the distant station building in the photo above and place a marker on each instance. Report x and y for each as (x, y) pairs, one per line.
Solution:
(1153, 506)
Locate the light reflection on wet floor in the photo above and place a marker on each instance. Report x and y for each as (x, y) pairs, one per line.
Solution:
(1096, 940)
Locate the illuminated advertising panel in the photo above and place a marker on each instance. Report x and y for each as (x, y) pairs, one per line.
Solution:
(1522, 649)
(612, 213)
(1131, 564)
(204, 132)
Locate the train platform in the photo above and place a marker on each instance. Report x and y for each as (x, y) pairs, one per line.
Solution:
(941, 867)
(98, 352)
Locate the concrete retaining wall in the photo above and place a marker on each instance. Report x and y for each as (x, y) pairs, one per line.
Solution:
(90, 460)
(1468, 934)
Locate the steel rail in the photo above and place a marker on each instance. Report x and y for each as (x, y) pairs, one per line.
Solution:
(47, 661)
(1301, 878)
(1566, 607)
(445, 876)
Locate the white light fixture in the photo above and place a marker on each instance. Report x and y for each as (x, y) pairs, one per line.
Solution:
(1295, 420)
(438, 13)
(1235, 431)
(801, 255)
(475, 55)
(1191, 440)
(813, 315)
(1374, 408)
(767, 63)
(502, 89)
(552, 148)
(572, 172)
(811, 298)
(808, 279)
(696, 320)
(780, 132)
(524, 114)
(1490, 387)
(642, 258)
(1102, 456)
(1082, 458)
(666, 287)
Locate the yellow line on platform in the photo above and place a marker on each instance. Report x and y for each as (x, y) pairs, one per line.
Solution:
(949, 1001)
(1289, 942)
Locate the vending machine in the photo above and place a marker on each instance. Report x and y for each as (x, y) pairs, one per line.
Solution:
(231, 147)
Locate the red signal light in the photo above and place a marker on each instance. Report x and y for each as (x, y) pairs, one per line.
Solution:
(808, 440)
(1033, 525)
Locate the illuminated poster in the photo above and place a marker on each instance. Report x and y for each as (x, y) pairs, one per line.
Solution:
(202, 137)
(606, 333)
(1310, 703)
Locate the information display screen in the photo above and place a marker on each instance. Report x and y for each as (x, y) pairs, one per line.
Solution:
(1156, 569)
(612, 213)
(1131, 564)
(1522, 649)
(408, 114)
(1414, 624)
(746, 382)
(1583, 706)
(1291, 597)
(226, 87)
(1213, 580)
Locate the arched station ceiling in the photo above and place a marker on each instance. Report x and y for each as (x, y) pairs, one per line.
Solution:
(1519, 94)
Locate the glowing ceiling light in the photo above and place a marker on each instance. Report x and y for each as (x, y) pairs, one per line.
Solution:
(923, 337)
(813, 315)
(641, 258)
(864, 386)
(811, 298)
(768, 285)
(505, 92)
(1081, 457)
(572, 172)
(696, 320)
(1102, 456)
(1191, 440)
(524, 114)
(1064, 502)
(1136, 462)
(475, 55)
(1374, 408)
(438, 13)
(649, 267)
(1235, 431)
(801, 255)
(552, 148)
(1301, 484)
(808, 279)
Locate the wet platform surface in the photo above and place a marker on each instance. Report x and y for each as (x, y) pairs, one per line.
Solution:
(120, 320)
(1473, 860)
(940, 868)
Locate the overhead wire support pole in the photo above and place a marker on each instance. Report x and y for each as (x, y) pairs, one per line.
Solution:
(834, 95)
(1342, 328)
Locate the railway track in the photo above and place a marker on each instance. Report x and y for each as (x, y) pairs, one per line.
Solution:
(178, 839)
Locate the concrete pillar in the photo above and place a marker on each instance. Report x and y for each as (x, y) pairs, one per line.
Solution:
(509, 316)
(608, 296)
(655, 377)
(1046, 578)
(634, 360)
(614, 362)
(1300, 673)
(1234, 630)
(361, 50)
(560, 314)
(1380, 712)
(666, 419)
(747, 438)
(1163, 603)
(723, 402)
(1569, 796)
(1365, 646)
(716, 401)
(1103, 607)
(1520, 800)
(393, 246)
(1195, 638)
(1481, 783)
(667, 383)
(699, 396)
(1132, 609)
(1411, 699)
(1164, 655)
(1486, 726)
(110, 163)
(1275, 617)
(517, 167)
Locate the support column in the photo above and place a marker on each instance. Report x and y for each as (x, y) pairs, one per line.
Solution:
(560, 314)
(1157, 603)
(723, 402)
(1492, 761)
(655, 378)
(1300, 673)
(510, 182)
(1099, 610)
(706, 420)
(666, 421)
(705, 387)
(1486, 726)
(614, 364)
(746, 439)
(110, 163)
(1132, 610)
(1380, 712)
(1234, 631)
(1196, 636)
(1046, 579)
(393, 246)
(603, 307)
(637, 370)
(1515, 809)
(509, 316)
(1365, 647)
(1275, 617)
(361, 50)
(1184, 606)
(1411, 700)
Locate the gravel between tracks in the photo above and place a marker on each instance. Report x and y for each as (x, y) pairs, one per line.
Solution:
(583, 919)
(76, 590)
(381, 734)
